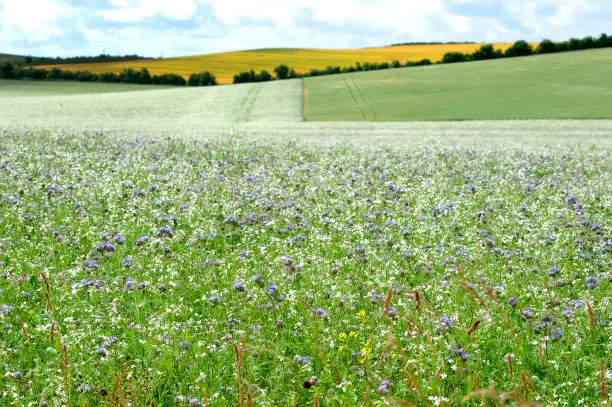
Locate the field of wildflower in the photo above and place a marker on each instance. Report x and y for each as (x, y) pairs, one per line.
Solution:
(169, 271)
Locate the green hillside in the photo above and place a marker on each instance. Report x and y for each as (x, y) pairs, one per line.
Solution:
(558, 86)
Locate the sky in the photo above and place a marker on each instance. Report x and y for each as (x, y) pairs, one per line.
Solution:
(186, 27)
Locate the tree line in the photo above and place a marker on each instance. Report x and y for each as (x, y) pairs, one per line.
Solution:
(485, 52)
(523, 48)
(29, 60)
(129, 75)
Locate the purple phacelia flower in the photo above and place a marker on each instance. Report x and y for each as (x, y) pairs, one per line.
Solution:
(141, 240)
(238, 285)
(553, 270)
(302, 360)
(528, 313)
(445, 323)
(165, 231)
(129, 284)
(376, 298)
(513, 301)
(384, 386)
(119, 239)
(184, 345)
(257, 279)
(592, 282)
(105, 247)
(127, 261)
(556, 333)
(91, 264)
(272, 289)
(321, 312)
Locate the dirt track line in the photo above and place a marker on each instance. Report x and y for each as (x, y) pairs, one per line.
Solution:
(363, 114)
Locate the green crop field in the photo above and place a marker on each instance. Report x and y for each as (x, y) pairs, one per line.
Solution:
(208, 247)
(570, 85)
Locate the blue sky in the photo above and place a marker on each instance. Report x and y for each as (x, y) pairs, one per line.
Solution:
(185, 27)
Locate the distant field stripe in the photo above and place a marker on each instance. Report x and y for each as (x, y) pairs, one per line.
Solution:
(225, 65)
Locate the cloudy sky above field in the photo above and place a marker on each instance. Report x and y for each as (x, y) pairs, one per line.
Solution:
(183, 27)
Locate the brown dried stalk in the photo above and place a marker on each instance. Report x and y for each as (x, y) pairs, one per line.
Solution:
(23, 328)
(365, 396)
(474, 326)
(603, 392)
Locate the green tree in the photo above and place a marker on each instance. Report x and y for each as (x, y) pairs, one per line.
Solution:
(520, 48)
(282, 71)
(546, 47)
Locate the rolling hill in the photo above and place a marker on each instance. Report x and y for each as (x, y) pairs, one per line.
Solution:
(556, 86)
(225, 65)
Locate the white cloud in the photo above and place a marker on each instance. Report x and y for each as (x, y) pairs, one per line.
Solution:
(36, 18)
(137, 10)
(233, 24)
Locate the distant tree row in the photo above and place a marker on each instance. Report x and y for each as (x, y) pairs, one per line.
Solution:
(485, 52)
(29, 60)
(136, 76)
(285, 72)
(523, 48)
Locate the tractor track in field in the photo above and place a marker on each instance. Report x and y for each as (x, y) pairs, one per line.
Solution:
(355, 99)
(363, 97)
(246, 106)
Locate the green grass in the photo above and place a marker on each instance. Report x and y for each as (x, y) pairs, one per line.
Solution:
(561, 86)
(396, 276)
(12, 88)
(16, 59)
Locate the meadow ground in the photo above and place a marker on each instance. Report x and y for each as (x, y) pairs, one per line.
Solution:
(225, 65)
(12, 89)
(207, 247)
(559, 86)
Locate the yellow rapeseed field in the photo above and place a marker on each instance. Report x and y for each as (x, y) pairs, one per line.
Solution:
(225, 65)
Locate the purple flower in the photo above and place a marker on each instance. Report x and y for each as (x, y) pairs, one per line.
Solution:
(165, 231)
(141, 240)
(445, 323)
(119, 239)
(127, 261)
(384, 386)
(556, 333)
(321, 312)
(193, 402)
(184, 345)
(592, 282)
(568, 313)
(91, 264)
(528, 313)
(513, 301)
(238, 285)
(302, 360)
(129, 284)
(105, 247)
(272, 289)
(553, 270)
(257, 279)
(375, 298)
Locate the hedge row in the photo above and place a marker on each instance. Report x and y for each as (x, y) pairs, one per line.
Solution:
(142, 76)
(523, 48)
(487, 51)
(80, 59)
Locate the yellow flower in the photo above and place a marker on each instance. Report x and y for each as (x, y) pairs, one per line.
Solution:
(365, 352)
(342, 336)
(361, 314)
